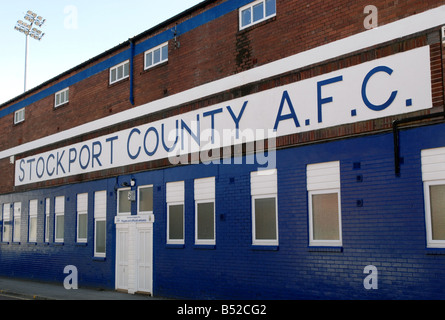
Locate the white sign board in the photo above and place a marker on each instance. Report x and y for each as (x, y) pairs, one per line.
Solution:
(393, 85)
(134, 219)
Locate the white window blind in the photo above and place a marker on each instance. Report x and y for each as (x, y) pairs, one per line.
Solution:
(100, 205)
(205, 189)
(433, 164)
(323, 176)
(263, 182)
(175, 191)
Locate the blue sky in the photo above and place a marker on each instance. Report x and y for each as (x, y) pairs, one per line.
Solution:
(75, 31)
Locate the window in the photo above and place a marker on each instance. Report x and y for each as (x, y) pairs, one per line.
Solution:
(156, 56)
(17, 222)
(145, 199)
(119, 72)
(62, 97)
(123, 202)
(175, 212)
(47, 209)
(263, 186)
(19, 116)
(433, 176)
(100, 223)
(256, 12)
(323, 185)
(6, 222)
(59, 209)
(435, 192)
(82, 217)
(205, 211)
(32, 232)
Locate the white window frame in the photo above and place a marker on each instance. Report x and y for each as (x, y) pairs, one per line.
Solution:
(152, 51)
(19, 116)
(6, 234)
(100, 215)
(33, 208)
(264, 242)
(250, 6)
(139, 197)
(16, 229)
(62, 96)
(82, 209)
(116, 67)
(175, 196)
(59, 211)
(429, 231)
(125, 213)
(205, 193)
(325, 180)
(47, 218)
(433, 173)
(264, 185)
(324, 243)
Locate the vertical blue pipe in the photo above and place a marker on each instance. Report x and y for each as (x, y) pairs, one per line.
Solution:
(131, 72)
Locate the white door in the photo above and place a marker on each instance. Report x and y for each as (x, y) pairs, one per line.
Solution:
(122, 259)
(134, 254)
(144, 259)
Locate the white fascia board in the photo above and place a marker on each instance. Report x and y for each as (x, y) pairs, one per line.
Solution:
(398, 29)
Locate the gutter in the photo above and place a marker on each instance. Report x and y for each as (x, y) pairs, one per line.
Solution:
(131, 72)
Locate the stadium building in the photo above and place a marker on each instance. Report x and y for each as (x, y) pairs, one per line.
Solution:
(268, 149)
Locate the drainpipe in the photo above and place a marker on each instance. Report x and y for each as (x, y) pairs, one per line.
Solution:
(395, 129)
(131, 72)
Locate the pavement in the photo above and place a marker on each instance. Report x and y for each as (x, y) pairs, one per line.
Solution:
(33, 290)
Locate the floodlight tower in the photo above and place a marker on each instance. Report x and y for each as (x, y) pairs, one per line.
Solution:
(30, 30)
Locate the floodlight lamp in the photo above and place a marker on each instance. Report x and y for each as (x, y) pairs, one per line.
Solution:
(39, 22)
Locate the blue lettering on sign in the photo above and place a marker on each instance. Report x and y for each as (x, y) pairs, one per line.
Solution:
(30, 161)
(151, 153)
(196, 137)
(291, 115)
(72, 156)
(177, 137)
(50, 173)
(96, 155)
(237, 119)
(212, 114)
(321, 101)
(84, 166)
(365, 84)
(111, 140)
(59, 162)
(133, 156)
(42, 162)
(22, 177)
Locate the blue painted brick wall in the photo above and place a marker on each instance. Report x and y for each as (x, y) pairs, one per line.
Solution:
(387, 230)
